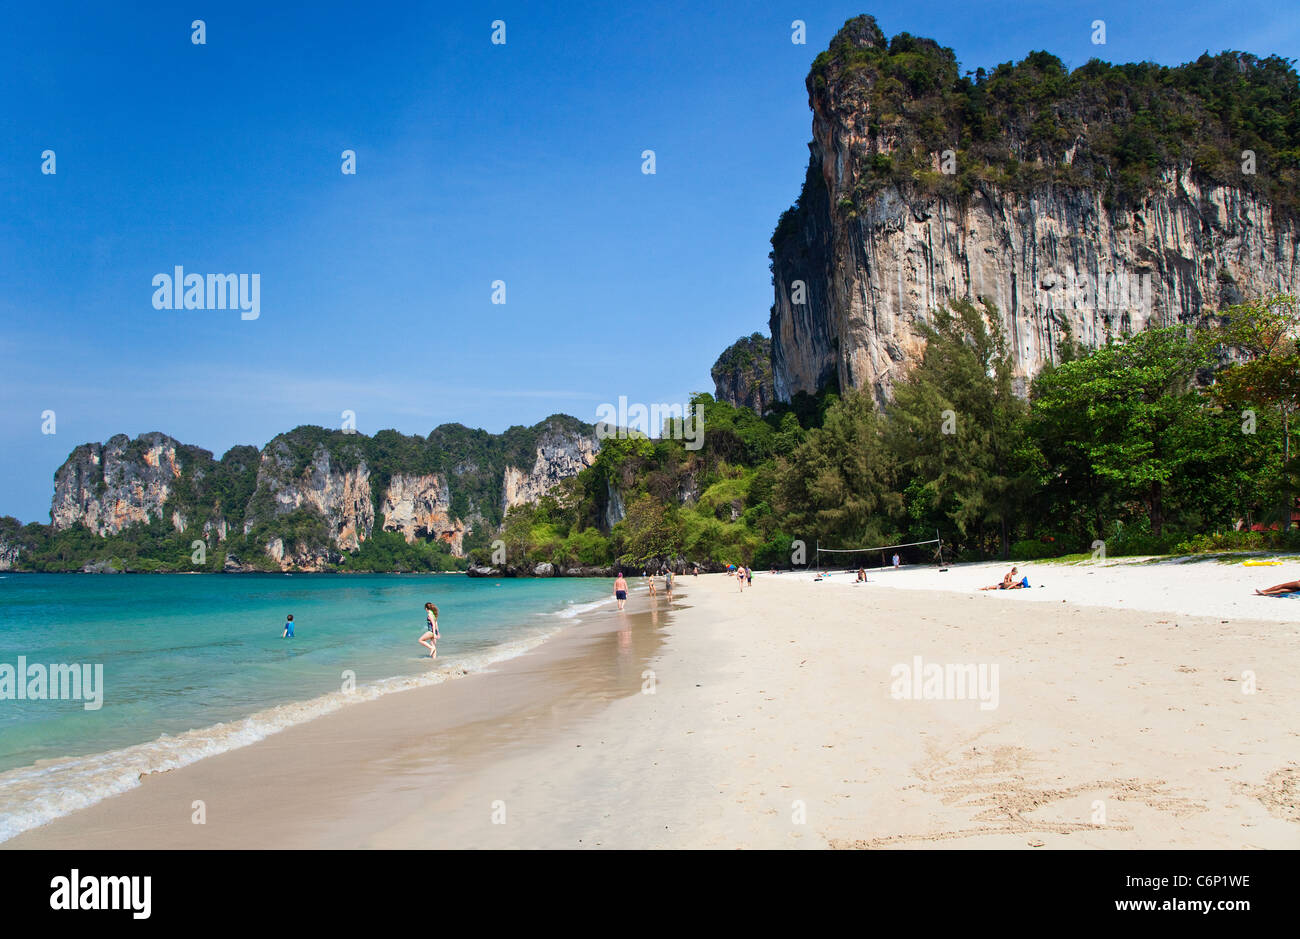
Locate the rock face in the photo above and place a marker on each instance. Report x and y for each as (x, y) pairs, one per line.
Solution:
(338, 494)
(742, 376)
(1051, 256)
(106, 487)
(614, 511)
(313, 494)
(420, 507)
(561, 454)
(9, 553)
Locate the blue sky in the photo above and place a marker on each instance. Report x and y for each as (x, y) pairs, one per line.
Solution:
(475, 163)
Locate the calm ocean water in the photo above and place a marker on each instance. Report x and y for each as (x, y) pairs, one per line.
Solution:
(194, 665)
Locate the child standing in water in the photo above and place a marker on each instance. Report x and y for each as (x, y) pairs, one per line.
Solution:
(288, 628)
(430, 637)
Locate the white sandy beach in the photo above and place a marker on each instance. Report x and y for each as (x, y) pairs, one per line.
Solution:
(1122, 719)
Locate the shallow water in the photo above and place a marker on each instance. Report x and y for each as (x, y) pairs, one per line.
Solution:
(195, 664)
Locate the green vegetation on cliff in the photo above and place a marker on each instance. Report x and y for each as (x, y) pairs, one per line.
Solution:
(1114, 128)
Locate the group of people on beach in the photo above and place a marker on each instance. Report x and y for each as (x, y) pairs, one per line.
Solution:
(745, 577)
(620, 586)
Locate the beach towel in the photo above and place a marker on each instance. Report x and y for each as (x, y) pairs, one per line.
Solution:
(1294, 595)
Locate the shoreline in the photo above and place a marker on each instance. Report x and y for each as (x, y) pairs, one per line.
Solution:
(383, 721)
(54, 787)
(775, 723)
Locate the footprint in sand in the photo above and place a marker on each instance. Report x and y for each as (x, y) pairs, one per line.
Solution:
(992, 784)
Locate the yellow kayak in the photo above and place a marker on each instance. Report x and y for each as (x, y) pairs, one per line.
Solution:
(1261, 563)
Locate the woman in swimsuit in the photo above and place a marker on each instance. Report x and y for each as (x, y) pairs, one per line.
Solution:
(429, 638)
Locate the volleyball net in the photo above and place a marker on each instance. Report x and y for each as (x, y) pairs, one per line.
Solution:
(881, 556)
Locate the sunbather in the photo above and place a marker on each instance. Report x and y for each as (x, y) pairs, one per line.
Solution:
(1009, 582)
(1291, 586)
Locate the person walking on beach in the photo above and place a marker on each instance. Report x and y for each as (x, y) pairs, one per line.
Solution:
(288, 628)
(650, 579)
(749, 576)
(620, 590)
(740, 577)
(429, 639)
(895, 561)
(668, 582)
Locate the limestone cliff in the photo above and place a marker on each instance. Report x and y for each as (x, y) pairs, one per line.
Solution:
(312, 495)
(742, 375)
(107, 487)
(1040, 214)
(562, 453)
(9, 553)
(335, 490)
(420, 507)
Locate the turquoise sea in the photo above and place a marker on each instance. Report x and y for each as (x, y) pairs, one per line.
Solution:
(194, 664)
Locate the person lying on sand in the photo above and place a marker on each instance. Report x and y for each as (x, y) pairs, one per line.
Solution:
(1289, 587)
(1009, 582)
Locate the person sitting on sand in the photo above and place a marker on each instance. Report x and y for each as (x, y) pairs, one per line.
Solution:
(1291, 586)
(620, 590)
(1008, 582)
(862, 576)
(429, 638)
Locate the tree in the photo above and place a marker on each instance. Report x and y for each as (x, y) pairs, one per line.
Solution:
(1131, 414)
(1267, 332)
(652, 533)
(838, 484)
(958, 428)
